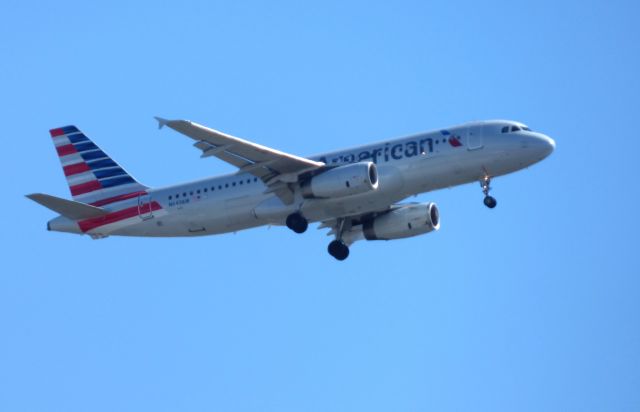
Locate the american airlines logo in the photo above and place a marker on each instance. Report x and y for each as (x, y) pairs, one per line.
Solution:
(398, 151)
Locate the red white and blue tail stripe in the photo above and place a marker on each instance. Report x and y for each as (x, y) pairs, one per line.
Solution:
(93, 177)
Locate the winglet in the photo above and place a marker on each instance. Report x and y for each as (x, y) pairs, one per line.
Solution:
(161, 122)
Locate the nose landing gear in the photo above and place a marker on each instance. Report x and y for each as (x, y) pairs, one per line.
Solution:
(490, 202)
(485, 183)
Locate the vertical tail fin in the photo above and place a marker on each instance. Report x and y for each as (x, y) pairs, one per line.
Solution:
(93, 177)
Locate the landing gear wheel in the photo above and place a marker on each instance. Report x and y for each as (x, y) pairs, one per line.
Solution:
(485, 183)
(338, 250)
(297, 223)
(490, 202)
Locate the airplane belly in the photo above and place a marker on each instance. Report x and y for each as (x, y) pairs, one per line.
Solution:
(238, 213)
(436, 172)
(447, 171)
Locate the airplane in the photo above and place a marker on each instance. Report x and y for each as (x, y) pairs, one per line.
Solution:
(355, 193)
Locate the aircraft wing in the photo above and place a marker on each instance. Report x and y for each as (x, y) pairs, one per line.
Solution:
(274, 167)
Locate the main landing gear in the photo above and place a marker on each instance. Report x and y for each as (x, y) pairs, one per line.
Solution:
(297, 223)
(337, 248)
(489, 201)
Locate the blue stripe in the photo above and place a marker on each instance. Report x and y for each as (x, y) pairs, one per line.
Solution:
(101, 174)
(93, 155)
(117, 181)
(69, 129)
(83, 147)
(77, 138)
(99, 164)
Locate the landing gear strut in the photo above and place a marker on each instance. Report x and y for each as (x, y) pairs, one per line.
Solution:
(297, 223)
(337, 248)
(489, 201)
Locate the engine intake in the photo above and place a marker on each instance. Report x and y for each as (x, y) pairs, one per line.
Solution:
(406, 221)
(342, 181)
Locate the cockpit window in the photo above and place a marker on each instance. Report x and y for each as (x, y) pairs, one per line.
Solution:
(515, 128)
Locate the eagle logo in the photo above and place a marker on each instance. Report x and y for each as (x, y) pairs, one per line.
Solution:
(453, 140)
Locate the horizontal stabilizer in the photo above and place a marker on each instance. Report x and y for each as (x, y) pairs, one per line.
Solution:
(161, 121)
(67, 208)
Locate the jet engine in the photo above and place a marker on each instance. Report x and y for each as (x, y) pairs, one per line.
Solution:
(405, 221)
(342, 181)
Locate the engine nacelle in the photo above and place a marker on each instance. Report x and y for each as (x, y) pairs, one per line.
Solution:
(406, 221)
(342, 181)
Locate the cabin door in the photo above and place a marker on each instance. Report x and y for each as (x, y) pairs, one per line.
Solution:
(474, 137)
(144, 206)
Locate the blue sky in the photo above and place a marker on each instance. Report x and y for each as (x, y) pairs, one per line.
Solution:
(532, 306)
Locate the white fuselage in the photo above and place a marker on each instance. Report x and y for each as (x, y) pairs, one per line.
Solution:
(406, 166)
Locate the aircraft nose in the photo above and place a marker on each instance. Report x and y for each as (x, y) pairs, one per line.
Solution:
(543, 145)
(549, 144)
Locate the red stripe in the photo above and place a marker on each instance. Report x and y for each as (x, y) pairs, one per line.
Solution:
(66, 149)
(117, 198)
(75, 169)
(85, 187)
(56, 132)
(88, 224)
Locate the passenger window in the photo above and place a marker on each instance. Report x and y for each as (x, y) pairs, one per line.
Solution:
(226, 185)
(170, 197)
(184, 194)
(198, 192)
(191, 193)
(206, 190)
(242, 181)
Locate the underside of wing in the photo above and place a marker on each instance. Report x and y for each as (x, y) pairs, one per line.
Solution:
(344, 227)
